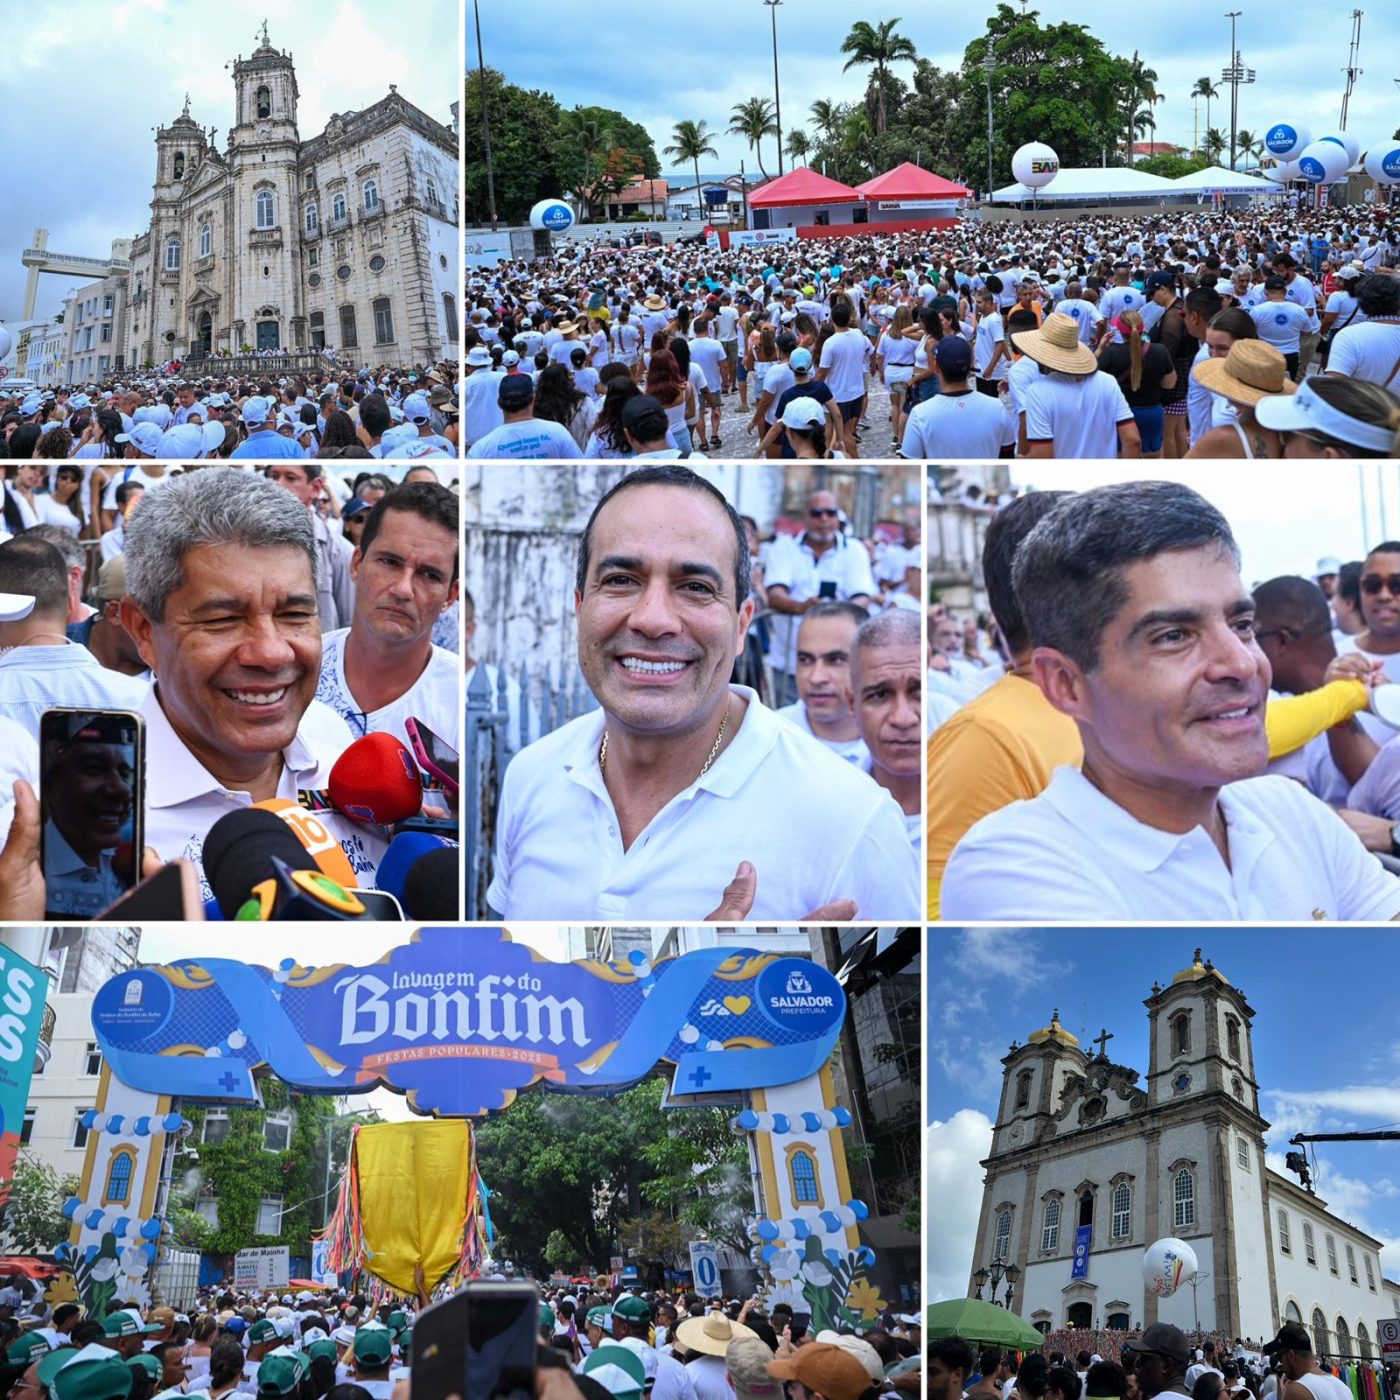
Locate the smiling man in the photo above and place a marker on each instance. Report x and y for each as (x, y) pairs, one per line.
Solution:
(683, 796)
(1143, 634)
(221, 584)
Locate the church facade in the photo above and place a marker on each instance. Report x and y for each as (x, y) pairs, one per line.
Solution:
(1091, 1162)
(346, 240)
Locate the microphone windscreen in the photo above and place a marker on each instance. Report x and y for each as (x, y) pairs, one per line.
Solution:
(433, 889)
(314, 835)
(238, 854)
(404, 851)
(376, 780)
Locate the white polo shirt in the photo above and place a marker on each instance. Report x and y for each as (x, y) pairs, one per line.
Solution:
(814, 828)
(183, 799)
(1073, 854)
(965, 425)
(852, 750)
(432, 698)
(792, 563)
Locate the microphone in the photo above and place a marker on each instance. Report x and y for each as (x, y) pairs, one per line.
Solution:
(259, 871)
(315, 837)
(405, 851)
(374, 782)
(433, 889)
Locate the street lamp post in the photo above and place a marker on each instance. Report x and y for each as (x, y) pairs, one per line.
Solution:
(1000, 1270)
(485, 119)
(1235, 74)
(777, 100)
(989, 63)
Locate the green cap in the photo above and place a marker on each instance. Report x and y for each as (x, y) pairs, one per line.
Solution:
(125, 1323)
(28, 1349)
(616, 1368)
(599, 1317)
(632, 1308)
(406, 1344)
(374, 1344)
(281, 1372)
(397, 1322)
(148, 1363)
(94, 1373)
(323, 1346)
(262, 1331)
(546, 1316)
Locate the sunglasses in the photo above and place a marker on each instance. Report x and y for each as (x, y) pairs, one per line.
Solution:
(1373, 583)
(820, 511)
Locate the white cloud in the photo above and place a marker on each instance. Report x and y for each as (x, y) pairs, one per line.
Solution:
(953, 1200)
(1004, 956)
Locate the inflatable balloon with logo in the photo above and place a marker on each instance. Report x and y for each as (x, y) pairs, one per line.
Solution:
(1168, 1264)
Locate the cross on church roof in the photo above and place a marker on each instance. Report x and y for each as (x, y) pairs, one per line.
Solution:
(1101, 1040)
(187, 105)
(266, 41)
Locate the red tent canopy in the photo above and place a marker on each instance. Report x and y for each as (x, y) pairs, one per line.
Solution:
(910, 181)
(803, 186)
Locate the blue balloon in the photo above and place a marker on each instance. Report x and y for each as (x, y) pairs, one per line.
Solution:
(90, 1253)
(150, 1229)
(800, 1229)
(782, 1123)
(114, 1123)
(70, 1207)
(142, 1127)
(89, 1119)
(860, 1209)
(747, 1119)
(831, 1222)
(121, 1225)
(767, 1230)
(172, 1122)
(93, 1219)
(833, 1257)
(865, 1256)
(843, 1118)
(150, 1251)
(812, 1122)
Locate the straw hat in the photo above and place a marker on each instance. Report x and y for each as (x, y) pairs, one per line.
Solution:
(1056, 345)
(710, 1335)
(1253, 370)
(656, 303)
(566, 327)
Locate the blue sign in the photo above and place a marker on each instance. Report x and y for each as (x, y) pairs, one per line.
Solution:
(461, 1020)
(704, 1266)
(22, 991)
(1081, 1251)
(1281, 140)
(1390, 163)
(1312, 170)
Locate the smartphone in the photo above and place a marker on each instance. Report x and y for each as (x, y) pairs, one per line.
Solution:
(827, 588)
(92, 793)
(434, 754)
(170, 895)
(479, 1343)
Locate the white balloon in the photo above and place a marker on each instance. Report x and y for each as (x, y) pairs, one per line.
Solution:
(1347, 142)
(1323, 163)
(1035, 165)
(6, 344)
(1382, 163)
(1282, 172)
(1167, 1265)
(551, 214)
(1286, 140)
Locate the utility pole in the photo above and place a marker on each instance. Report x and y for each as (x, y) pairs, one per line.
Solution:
(485, 118)
(1235, 74)
(1352, 71)
(777, 100)
(989, 63)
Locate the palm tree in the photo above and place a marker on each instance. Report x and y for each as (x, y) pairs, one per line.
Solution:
(879, 46)
(827, 117)
(590, 141)
(690, 141)
(1142, 88)
(1207, 89)
(753, 120)
(1215, 143)
(856, 141)
(1249, 144)
(798, 145)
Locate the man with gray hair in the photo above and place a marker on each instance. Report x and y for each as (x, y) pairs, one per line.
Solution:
(884, 689)
(221, 601)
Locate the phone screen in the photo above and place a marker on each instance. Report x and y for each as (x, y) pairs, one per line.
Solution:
(443, 757)
(827, 589)
(91, 794)
(502, 1319)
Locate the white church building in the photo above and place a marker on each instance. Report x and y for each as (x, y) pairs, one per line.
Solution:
(1085, 1150)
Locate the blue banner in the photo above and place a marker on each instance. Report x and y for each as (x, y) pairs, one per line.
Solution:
(22, 991)
(1081, 1251)
(461, 1020)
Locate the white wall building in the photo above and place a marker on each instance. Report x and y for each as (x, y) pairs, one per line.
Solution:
(66, 1088)
(94, 326)
(39, 352)
(1081, 1143)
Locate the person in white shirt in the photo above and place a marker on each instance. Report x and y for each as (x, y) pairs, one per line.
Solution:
(822, 708)
(1281, 322)
(842, 369)
(1302, 293)
(884, 687)
(705, 1340)
(221, 602)
(521, 434)
(708, 354)
(1143, 633)
(383, 669)
(956, 423)
(1371, 350)
(668, 791)
(990, 352)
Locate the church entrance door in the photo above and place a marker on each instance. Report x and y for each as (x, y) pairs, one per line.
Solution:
(1080, 1315)
(269, 336)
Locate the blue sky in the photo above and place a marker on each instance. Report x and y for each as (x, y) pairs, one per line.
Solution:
(671, 62)
(1327, 1053)
(84, 83)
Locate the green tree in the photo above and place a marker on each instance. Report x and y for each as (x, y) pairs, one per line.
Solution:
(1172, 167)
(689, 141)
(581, 149)
(33, 1220)
(753, 119)
(1215, 143)
(524, 133)
(1208, 90)
(798, 144)
(879, 46)
(558, 1252)
(1250, 145)
(828, 118)
(1141, 90)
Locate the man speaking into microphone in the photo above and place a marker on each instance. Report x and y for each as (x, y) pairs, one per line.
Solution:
(221, 602)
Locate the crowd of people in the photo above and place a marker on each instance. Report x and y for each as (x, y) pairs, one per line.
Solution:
(1134, 733)
(323, 414)
(610, 1345)
(726, 671)
(260, 621)
(1251, 332)
(1149, 1362)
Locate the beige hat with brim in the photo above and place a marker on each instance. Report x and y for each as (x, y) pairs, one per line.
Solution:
(566, 327)
(655, 303)
(710, 1335)
(1057, 345)
(1253, 370)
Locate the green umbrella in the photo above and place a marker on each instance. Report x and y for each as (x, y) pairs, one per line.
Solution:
(978, 1322)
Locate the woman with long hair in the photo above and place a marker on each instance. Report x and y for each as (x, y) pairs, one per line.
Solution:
(1335, 419)
(894, 362)
(607, 439)
(675, 394)
(63, 506)
(340, 433)
(557, 401)
(627, 341)
(694, 377)
(1144, 370)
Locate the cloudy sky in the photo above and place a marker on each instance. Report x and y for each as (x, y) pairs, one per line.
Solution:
(86, 81)
(1282, 522)
(675, 66)
(990, 986)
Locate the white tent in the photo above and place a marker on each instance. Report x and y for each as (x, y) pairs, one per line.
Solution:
(1091, 182)
(1215, 179)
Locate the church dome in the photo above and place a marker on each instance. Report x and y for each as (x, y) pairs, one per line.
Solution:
(1054, 1031)
(1198, 971)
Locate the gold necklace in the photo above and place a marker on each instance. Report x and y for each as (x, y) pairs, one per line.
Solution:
(705, 767)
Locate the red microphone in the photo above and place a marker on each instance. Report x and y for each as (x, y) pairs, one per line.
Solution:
(376, 781)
